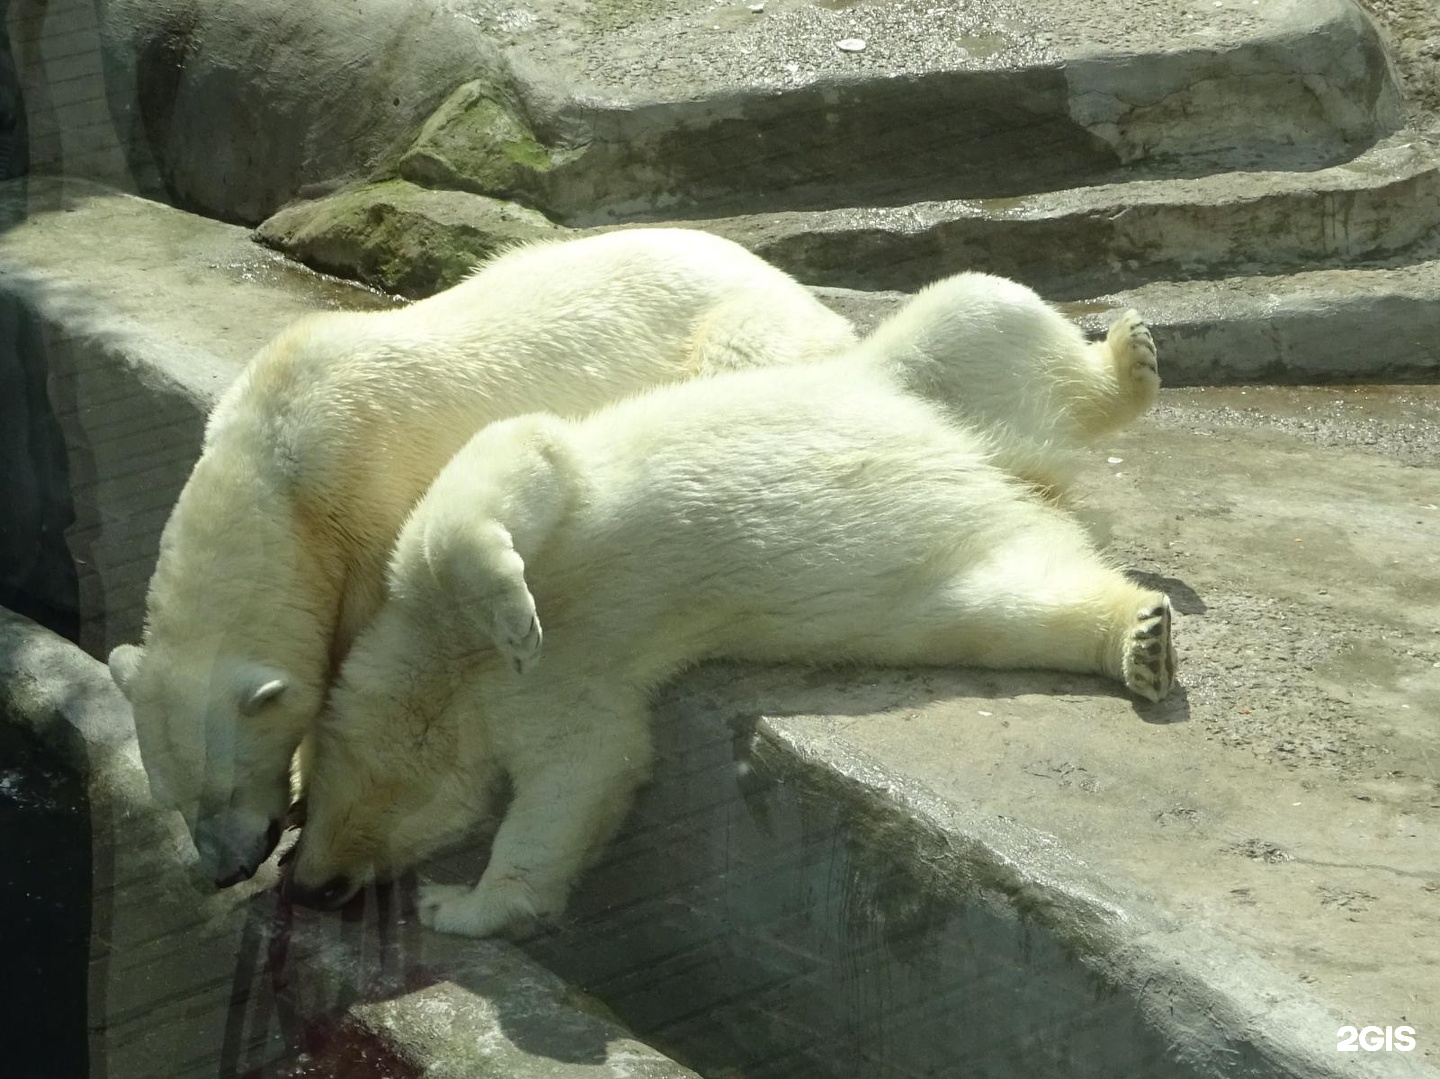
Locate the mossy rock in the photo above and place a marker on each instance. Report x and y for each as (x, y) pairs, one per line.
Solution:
(479, 140)
(400, 237)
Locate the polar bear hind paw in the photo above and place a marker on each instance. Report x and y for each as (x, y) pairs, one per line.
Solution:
(1148, 663)
(1133, 348)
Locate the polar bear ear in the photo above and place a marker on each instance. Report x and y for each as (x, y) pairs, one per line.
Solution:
(263, 687)
(125, 662)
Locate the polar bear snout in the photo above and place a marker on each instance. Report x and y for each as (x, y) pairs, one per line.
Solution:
(332, 895)
(232, 846)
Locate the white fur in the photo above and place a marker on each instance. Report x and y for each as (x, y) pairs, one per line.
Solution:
(841, 511)
(275, 553)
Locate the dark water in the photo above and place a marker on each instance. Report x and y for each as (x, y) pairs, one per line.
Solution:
(44, 911)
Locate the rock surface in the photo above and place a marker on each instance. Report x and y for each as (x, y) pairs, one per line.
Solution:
(401, 238)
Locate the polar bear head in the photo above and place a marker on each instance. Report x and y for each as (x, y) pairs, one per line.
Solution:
(401, 766)
(217, 735)
(232, 671)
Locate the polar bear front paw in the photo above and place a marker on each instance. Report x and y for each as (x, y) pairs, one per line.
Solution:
(1133, 348)
(474, 911)
(1148, 662)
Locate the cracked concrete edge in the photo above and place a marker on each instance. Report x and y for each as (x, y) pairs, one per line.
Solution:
(66, 698)
(1217, 1004)
(1326, 326)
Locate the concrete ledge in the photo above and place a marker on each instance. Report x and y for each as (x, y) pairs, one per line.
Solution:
(146, 314)
(226, 984)
(1075, 243)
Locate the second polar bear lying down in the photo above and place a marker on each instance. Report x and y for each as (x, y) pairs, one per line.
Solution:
(833, 512)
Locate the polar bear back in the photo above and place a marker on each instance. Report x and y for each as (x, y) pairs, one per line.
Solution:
(725, 509)
(559, 326)
(350, 415)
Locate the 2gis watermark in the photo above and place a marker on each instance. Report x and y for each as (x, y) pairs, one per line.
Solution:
(1375, 1039)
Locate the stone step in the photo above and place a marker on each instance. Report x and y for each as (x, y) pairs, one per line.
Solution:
(594, 111)
(1320, 326)
(1067, 244)
(621, 112)
(1070, 244)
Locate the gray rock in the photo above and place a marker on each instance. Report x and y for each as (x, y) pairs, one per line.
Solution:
(399, 237)
(605, 111)
(241, 105)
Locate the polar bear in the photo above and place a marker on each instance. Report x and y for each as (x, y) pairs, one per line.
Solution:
(275, 553)
(831, 513)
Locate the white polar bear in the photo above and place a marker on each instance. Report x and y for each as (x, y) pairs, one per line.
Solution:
(830, 513)
(275, 553)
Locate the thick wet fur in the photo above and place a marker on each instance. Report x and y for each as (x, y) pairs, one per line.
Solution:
(275, 554)
(868, 508)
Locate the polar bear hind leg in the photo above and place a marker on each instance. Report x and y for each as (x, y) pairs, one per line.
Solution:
(490, 509)
(1129, 382)
(1043, 604)
(562, 815)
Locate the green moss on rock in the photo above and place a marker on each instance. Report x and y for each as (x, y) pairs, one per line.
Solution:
(400, 237)
(479, 140)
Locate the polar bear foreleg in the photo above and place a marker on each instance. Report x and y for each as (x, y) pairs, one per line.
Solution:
(557, 823)
(487, 514)
(1124, 379)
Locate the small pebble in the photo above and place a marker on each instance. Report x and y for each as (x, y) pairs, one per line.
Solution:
(851, 44)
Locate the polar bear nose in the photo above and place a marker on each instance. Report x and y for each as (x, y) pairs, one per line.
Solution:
(331, 895)
(229, 853)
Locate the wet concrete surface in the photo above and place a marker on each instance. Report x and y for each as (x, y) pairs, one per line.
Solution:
(1288, 795)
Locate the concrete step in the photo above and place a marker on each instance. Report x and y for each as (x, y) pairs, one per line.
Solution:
(594, 110)
(1074, 243)
(652, 108)
(692, 105)
(1231, 324)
